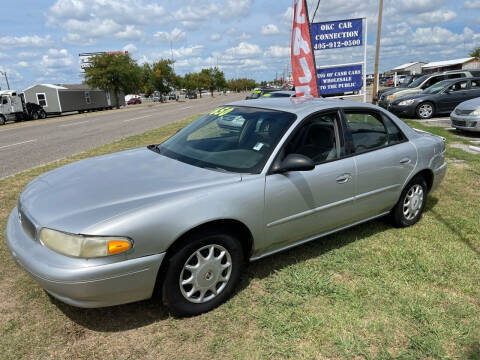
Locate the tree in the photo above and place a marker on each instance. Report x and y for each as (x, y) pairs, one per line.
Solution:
(117, 73)
(146, 82)
(214, 79)
(475, 52)
(163, 75)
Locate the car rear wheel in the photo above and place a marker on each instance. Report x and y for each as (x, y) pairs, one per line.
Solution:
(412, 202)
(35, 116)
(425, 110)
(2, 120)
(203, 273)
(43, 114)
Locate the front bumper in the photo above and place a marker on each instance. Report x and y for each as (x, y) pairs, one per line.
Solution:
(465, 122)
(408, 110)
(81, 282)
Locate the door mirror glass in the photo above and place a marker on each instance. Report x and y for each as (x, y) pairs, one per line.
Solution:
(294, 162)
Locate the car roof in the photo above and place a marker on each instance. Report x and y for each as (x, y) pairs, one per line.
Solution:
(300, 106)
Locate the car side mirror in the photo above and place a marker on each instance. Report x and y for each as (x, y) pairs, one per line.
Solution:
(294, 162)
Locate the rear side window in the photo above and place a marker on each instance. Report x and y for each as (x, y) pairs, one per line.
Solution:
(395, 135)
(367, 130)
(455, 76)
(475, 84)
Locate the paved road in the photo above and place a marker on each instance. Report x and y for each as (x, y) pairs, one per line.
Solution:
(30, 144)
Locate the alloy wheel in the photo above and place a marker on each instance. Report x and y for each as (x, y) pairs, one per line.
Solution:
(425, 111)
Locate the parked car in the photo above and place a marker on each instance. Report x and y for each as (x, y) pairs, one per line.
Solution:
(134, 101)
(257, 93)
(172, 96)
(466, 116)
(440, 98)
(277, 94)
(422, 83)
(156, 98)
(184, 215)
(191, 95)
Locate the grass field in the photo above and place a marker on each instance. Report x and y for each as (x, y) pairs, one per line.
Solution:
(372, 292)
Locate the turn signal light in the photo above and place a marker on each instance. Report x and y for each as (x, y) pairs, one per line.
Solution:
(118, 246)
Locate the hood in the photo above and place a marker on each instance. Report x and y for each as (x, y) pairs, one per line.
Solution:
(404, 92)
(79, 195)
(473, 104)
(411, 96)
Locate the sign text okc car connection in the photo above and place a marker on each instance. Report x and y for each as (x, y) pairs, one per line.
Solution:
(337, 34)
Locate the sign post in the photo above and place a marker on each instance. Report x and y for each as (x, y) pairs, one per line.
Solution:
(339, 34)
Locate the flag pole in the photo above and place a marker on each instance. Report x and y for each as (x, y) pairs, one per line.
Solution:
(311, 47)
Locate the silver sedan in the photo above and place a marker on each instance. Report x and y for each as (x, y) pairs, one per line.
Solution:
(184, 216)
(466, 116)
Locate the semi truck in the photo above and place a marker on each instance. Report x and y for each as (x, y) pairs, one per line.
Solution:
(13, 107)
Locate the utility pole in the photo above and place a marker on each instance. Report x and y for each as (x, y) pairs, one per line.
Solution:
(6, 78)
(377, 53)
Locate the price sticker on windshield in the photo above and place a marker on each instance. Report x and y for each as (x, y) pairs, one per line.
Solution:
(222, 111)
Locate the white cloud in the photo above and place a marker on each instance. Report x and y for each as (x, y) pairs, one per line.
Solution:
(35, 41)
(27, 55)
(244, 36)
(244, 49)
(278, 51)
(56, 58)
(176, 35)
(472, 4)
(215, 37)
(270, 29)
(22, 64)
(130, 48)
(129, 33)
(435, 17)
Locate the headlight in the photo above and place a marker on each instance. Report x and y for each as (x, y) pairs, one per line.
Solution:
(406, 102)
(475, 112)
(391, 97)
(83, 246)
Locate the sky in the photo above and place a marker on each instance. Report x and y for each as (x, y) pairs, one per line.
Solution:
(40, 40)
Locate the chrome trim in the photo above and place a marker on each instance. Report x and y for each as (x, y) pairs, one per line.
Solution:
(377, 191)
(255, 258)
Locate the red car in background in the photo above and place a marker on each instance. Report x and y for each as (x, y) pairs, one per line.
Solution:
(134, 101)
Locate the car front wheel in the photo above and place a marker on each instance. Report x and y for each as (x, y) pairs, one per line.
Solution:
(425, 110)
(203, 273)
(412, 202)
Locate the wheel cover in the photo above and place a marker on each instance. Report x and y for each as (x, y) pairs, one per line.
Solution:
(205, 274)
(425, 110)
(413, 202)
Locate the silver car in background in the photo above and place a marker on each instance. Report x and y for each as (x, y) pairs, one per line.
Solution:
(466, 116)
(184, 216)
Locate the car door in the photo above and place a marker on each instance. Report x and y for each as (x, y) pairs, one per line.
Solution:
(384, 159)
(299, 205)
(474, 89)
(453, 95)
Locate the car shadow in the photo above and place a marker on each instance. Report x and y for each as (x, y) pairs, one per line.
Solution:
(143, 313)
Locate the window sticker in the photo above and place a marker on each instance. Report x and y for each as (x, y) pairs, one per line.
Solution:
(221, 111)
(258, 146)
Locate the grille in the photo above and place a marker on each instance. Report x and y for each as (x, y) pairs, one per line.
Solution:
(27, 224)
(459, 123)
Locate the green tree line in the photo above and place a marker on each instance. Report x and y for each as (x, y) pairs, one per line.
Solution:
(120, 73)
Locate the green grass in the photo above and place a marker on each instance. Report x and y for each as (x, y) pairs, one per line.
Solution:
(371, 292)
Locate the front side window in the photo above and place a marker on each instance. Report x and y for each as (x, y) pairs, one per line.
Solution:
(459, 86)
(41, 100)
(235, 139)
(317, 139)
(367, 130)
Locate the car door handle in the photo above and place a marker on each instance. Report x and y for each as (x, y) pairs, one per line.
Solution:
(405, 161)
(343, 179)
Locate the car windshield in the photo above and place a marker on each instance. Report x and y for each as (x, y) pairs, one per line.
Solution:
(235, 139)
(256, 94)
(436, 88)
(276, 94)
(418, 82)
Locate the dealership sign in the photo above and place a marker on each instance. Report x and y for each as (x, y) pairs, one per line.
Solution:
(337, 34)
(303, 61)
(341, 79)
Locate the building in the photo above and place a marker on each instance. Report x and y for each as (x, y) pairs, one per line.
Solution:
(470, 63)
(411, 68)
(57, 99)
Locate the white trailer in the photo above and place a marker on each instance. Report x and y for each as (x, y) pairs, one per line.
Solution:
(14, 108)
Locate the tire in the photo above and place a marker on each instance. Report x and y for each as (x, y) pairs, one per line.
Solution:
(411, 204)
(35, 115)
(425, 110)
(204, 273)
(2, 120)
(43, 114)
